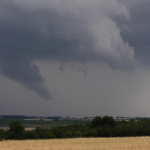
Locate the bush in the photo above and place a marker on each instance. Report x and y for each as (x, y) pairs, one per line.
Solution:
(77, 134)
(92, 133)
(1, 134)
(68, 134)
(31, 135)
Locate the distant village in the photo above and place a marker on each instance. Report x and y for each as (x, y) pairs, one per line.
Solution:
(51, 118)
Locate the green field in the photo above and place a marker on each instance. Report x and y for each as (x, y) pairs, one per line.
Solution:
(40, 123)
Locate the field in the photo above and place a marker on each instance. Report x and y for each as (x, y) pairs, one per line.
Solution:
(132, 143)
(4, 122)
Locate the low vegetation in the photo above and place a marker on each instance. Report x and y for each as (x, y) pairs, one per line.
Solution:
(99, 127)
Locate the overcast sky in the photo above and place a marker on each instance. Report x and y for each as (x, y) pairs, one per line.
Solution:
(75, 57)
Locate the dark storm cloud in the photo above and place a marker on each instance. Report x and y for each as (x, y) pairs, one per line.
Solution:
(137, 31)
(64, 31)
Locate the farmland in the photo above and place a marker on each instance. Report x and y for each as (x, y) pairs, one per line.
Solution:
(128, 143)
(99, 127)
(41, 123)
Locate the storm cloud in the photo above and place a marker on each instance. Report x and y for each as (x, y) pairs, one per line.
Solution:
(137, 31)
(64, 31)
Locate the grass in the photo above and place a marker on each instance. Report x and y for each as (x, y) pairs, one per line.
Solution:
(130, 143)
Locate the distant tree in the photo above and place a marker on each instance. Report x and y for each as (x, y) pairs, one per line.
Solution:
(92, 133)
(68, 133)
(96, 122)
(31, 135)
(145, 122)
(108, 121)
(58, 132)
(17, 130)
(44, 133)
(2, 134)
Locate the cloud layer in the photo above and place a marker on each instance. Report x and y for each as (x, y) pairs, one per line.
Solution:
(64, 31)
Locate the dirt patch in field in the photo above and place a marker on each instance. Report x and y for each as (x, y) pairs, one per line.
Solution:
(26, 128)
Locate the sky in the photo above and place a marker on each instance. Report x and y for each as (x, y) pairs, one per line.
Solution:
(78, 57)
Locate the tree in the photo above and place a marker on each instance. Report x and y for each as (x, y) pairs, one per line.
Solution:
(2, 134)
(108, 121)
(17, 130)
(92, 133)
(96, 122)
(31, 135)
(68, 133)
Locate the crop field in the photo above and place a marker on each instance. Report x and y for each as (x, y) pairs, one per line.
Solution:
(130, 143)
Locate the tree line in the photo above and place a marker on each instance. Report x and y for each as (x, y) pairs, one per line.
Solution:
(99, 127)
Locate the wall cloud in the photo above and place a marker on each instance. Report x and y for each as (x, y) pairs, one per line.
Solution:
(60, 30)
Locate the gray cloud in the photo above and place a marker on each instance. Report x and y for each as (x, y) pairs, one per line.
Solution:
(61, 68)
(65, 31)
(82, 70)
(26, 75)
(137, 31)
